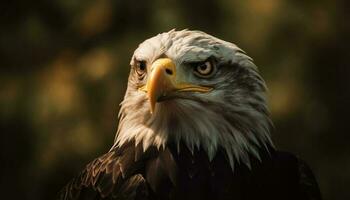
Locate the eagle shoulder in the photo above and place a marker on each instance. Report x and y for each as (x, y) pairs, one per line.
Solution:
(300, 178)
(114, 175)
(307, 181)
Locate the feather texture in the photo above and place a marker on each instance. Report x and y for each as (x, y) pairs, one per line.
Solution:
(169, 174)
(233, 116)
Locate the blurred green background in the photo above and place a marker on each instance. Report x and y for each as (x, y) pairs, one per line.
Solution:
(64, 66)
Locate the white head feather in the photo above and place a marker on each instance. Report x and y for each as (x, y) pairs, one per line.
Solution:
(233, 116)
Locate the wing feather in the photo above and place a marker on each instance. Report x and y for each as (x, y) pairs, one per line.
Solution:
(114, 175)
(307, 182)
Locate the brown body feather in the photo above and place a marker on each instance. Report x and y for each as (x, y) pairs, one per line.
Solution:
(168, 174)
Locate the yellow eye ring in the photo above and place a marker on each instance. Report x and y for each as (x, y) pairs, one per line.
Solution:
(204, 69)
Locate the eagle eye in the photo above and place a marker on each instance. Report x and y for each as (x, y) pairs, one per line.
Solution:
(141, 67)
(204, 69)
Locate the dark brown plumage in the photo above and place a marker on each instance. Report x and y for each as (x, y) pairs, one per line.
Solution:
(128, 173)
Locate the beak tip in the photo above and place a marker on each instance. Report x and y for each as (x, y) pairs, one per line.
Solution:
(152, 105)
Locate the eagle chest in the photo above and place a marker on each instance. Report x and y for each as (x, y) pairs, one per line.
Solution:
(191, 175)
(184, 174)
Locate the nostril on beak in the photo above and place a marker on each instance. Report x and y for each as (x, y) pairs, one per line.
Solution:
(169, 71)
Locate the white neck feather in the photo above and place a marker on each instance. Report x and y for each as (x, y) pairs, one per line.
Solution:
(239, 129)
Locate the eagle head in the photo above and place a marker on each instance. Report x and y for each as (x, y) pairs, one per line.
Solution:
(188, 86)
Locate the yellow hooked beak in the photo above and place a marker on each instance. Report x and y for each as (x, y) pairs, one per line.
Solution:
(162, 81)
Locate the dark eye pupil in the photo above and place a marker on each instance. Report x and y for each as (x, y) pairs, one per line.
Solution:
(142, 65)
(203, 67)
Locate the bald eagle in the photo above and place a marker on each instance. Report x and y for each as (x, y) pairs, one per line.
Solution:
(194, 124)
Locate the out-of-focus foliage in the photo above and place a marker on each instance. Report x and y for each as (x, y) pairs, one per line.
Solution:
(64, 68)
